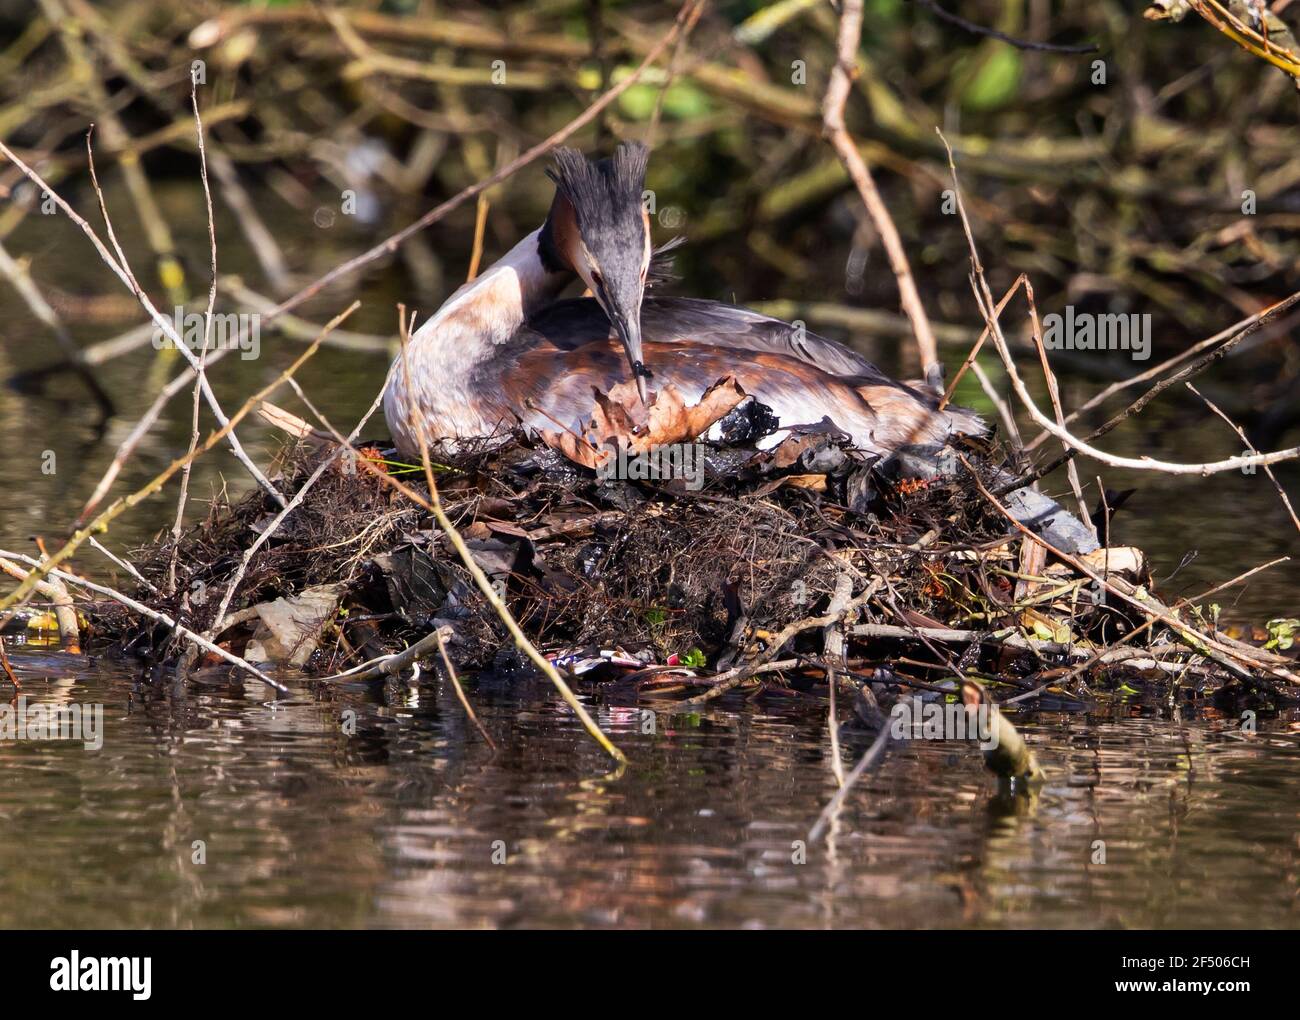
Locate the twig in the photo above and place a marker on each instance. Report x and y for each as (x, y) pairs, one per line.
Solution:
(388, 665)
(1112, 653)
(460, 692)
(94, 543)
(1001, 406)
(837, 94)
(201, 370)
(1054, 392)
(833, 652)
(65, 614)
(673, 62)
(1286, 501)
(480, 224)
(123, 503)
(1155, 370)
(1021, 280)
(8, 670)
(993, 33)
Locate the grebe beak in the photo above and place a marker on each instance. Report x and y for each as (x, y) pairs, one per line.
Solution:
(629, 334)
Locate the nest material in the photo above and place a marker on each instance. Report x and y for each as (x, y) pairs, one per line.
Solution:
(651, 568)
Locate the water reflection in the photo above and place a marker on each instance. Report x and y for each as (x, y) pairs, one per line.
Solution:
(412, 821)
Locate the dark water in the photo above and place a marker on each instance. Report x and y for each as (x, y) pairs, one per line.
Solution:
(413, 822)
(406, 822)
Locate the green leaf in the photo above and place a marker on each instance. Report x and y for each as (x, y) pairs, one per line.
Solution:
(1282, 634)
(996, 82)
(682, 101)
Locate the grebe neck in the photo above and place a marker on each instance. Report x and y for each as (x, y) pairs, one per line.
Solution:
(468, 330)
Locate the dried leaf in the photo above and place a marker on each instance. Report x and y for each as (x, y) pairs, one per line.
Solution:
(619, 419)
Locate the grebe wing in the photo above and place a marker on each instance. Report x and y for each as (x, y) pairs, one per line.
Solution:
(565, 325)
(572, 323)
(541, 385)
(743, 329)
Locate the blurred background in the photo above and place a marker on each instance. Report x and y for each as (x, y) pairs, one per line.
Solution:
(1136, 165)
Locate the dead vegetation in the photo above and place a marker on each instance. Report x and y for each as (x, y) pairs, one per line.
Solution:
(652, 589)
(794, 573)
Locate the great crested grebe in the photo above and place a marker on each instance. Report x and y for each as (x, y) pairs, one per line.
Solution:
(503, 351)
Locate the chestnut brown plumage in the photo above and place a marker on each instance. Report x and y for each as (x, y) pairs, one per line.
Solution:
(504, 351)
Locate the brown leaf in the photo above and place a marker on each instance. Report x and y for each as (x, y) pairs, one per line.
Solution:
(619, 419)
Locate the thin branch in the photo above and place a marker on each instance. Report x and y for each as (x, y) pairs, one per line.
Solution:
(207, 337)
(993, 33)
(124, 503)
(1286, 501)
(837, 94)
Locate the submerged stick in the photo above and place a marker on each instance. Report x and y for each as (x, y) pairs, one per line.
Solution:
(873, 754)
(460, 691)
(8, 669)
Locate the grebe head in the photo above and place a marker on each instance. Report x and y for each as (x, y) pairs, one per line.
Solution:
(598, 227)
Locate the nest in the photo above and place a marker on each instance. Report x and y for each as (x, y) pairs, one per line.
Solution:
(658, 587)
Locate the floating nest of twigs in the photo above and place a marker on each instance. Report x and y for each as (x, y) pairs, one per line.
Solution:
(658, 587)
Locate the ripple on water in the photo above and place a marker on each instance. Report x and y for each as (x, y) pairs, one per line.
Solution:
(411, 821)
